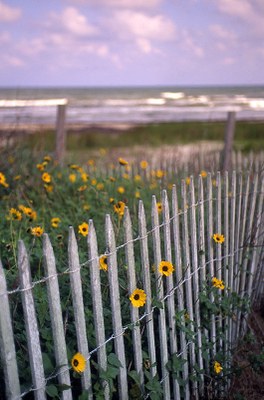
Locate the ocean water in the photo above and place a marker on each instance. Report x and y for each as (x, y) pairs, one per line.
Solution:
(135, 104)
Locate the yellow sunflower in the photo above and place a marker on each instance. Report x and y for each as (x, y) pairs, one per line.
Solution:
(218, 238)
(138, 298)
(14, 214)
(217, 367)
(218, 283)
(159, 207)
(3, 180)
(83, 229)
(37, 231)
(121, 189)
(122, 161)
(46, 177)
(78, 363)
(119, 208)
(55, 222)
(143, 164)
(103, 263)
(166, 268)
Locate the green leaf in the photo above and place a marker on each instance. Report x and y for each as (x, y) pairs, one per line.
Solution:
(135, 376)
(47, 363)
(52, 391)
(113, 360)
(63, 387)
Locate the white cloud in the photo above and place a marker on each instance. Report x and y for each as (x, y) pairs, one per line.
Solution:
(72, 21)
(239, 8)
(144, 45)
(4, 37)
(190, 45)
(143, 26)
(12, 61)
(251, 12)
(130, 4)
(222, 33)
(9, 14)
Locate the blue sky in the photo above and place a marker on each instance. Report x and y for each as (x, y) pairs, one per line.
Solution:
(131, 42)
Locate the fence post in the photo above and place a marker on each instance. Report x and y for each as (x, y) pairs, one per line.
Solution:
(229, 136)
(60, 132)
(7, 344)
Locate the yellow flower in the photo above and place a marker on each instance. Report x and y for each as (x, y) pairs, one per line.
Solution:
(217, 367)
(159, 207)
(55, 222)
(86, 207)
(119, 208)
(72, 178)
(3, 180)
(188, 180)
(93, 182)
(41, 166)
(74, 166)
(218, 238)
(28, 212)
(203, 174)
(138, 298)
(84, 176)
(160, 174)
(47, 158)
(37, 231)
(122, 161)
(46, 177)
(78, 363)
(17, 178)
(100, 186)
(49, 188)
(82, 188)
(111, 200)
(125, 176)
(121, 189)
(112, 179)
(218, 283)
(14, 214)
(83, 229)
(166, 268)
(137, 194)
(144, 164)
(91, 163)
(137, 178)
(103, 262)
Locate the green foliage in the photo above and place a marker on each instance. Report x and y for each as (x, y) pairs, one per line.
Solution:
(76, 201)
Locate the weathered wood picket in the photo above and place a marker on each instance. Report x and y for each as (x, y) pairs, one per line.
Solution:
(171, 324)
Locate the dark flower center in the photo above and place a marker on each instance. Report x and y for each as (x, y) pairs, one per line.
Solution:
(136, 297)
(75, 363)
(165, 268)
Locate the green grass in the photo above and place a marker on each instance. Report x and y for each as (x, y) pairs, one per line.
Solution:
(248, 136)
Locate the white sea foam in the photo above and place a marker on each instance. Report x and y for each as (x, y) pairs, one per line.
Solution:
(172, 95)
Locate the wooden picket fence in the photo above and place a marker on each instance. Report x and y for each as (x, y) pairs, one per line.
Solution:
(232, 206)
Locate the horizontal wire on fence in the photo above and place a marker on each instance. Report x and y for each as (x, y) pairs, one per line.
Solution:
(68, 271)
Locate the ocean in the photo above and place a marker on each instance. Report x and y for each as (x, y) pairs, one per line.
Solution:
(135, 105)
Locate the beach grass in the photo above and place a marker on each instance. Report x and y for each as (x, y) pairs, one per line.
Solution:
(249, 136)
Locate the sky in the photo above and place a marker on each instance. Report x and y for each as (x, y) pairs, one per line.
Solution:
(131, 42)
